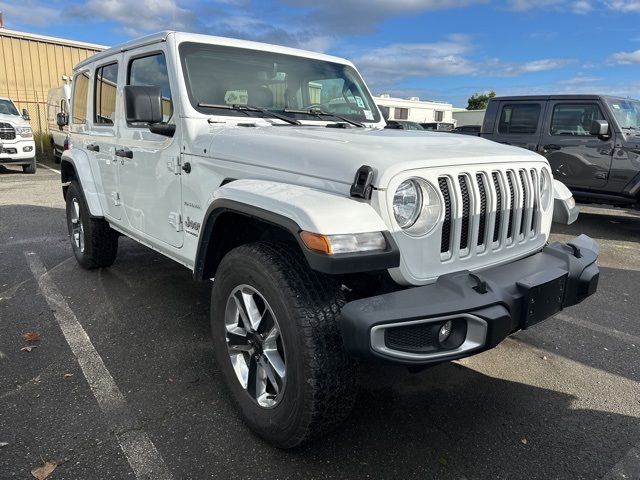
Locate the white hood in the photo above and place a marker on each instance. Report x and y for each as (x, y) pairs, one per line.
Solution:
(15, 120)
(336, 154)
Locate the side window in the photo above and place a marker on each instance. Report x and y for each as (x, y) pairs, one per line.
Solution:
(574, 119)
(152, 71)
(401, 113)
(439, 116)
(520, 118)
(104, 94)
(80, 94)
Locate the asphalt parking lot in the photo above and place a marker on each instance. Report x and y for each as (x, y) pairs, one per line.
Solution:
(561, 400)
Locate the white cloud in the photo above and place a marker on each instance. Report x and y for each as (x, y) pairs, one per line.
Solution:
(625, 6)
(29, 12)
(626, 58)
(574, 6)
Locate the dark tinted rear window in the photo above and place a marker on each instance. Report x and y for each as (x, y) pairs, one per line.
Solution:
(519, 118)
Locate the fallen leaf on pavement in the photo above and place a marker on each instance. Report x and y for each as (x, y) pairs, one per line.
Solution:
(524, 441)
(442, 461)
(28, 348)
(41, 473)
(31, 337)
(3, 444)
(68, 375)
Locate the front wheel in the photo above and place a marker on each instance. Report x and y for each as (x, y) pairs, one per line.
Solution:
(277, 344)
(30, 168)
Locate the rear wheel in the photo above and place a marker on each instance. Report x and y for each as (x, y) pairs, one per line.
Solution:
(277, 344)
(30, 168)
(94, 242)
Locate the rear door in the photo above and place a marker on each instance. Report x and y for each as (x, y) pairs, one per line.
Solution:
(578, 159)
(519, 123)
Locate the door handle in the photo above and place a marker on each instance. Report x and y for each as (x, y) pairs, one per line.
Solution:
(548, 148)
(124, 152)
(93, 147)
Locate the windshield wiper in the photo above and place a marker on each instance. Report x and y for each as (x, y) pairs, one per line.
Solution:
(251, 108)
(321, 113)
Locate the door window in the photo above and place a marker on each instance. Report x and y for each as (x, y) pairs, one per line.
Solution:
(80, 94)
(104, 106)
(152, 71)
(519, 119)
(574, 119)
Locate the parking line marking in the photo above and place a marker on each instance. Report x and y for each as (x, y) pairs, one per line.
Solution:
(142, 455)
(612, 332)
(49, 168)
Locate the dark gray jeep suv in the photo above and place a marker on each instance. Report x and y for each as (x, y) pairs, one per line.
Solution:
(592, 142)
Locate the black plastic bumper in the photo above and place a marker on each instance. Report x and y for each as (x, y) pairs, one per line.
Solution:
(487, 306)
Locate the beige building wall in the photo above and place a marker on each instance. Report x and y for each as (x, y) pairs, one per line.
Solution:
(32, 64)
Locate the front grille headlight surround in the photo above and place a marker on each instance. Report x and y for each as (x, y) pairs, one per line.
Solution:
(417, 207)
(546, 189)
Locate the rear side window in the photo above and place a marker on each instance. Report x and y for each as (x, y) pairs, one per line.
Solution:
(152, 71)
(520, 118)
(104, 106)
(574, 119)
(80, 94)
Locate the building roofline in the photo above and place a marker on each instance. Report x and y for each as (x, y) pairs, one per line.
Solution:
(47, 39)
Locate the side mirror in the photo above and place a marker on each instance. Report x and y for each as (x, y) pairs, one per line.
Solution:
(25, 114)
(143, 104)
(599, 128)
(62, 120)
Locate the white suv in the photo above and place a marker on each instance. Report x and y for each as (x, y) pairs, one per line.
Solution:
(329, 238)
(16, 137)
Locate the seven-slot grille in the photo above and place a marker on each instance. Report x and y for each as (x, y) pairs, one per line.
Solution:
(494, 209)
(7, 132)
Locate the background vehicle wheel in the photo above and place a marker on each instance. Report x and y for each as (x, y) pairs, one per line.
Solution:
(277, 344)
(31, 168)
(94, 242)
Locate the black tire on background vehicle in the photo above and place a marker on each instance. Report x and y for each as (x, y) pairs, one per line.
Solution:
(274, 327)
(31, 168)
(94, 242)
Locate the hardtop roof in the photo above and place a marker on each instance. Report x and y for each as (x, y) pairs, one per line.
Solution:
(209, 39)
(538, 98)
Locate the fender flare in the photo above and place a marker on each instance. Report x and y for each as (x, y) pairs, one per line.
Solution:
(79, 162)
(294, 208)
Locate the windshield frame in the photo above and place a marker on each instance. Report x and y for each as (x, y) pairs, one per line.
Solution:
(311, 117)
(611, 101)
(11, 105)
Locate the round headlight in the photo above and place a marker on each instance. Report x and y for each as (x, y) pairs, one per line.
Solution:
(407, 202)
(546, 186)
(417, 206)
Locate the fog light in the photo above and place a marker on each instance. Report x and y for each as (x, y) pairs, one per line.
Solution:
(27, 149)
(445, 331)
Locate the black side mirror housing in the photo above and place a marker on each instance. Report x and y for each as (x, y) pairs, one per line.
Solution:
(143, 104)
(62, 120)
(599, 128)
(25, 114)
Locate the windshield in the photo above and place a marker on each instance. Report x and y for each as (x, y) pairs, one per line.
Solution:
(8, 108)
(626, 111)
(223, 76)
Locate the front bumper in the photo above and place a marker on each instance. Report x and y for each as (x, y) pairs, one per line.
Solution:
(13, 151)
(484, 308)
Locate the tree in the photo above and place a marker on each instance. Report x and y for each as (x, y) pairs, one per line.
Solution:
(478, 101)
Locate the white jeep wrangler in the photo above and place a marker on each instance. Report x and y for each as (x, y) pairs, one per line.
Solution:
(329, 239)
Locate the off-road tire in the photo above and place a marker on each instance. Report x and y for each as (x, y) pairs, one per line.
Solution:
(31, 168)
(100, 240)
(321, 377)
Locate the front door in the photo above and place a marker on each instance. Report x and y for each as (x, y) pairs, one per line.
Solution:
(150, 188)
(578, 159)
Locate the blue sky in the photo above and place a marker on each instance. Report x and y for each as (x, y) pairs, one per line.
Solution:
(436, 49)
